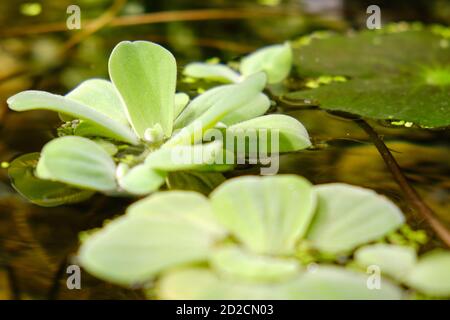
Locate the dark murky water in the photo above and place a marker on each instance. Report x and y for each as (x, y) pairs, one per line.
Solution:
(36, 242)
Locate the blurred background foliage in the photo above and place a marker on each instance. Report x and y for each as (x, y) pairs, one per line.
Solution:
(38, 52)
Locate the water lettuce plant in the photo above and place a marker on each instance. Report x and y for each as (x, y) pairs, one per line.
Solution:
(119, 136)
(243, 243)
(274, 60)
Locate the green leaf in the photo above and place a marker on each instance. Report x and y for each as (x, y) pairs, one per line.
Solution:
(336, 283)
(348, 216)
(275, 61)
(267, 214)
(395, 261)
(100, 95)
(222, 98)
(203, 182)
(384, 82)
(289, 133)
(184, 157)
(144, 73)
(142, 180)
(232, 262)
(254, 108)
(41, 192)
(203, 284)
(389, 98)
(192, 206)
(326, 282)
(79, 162)
(212, 72)
(370, 53)
(181, 101)
(134, 248)
(205, 111)
(40, 100)
(431, 275)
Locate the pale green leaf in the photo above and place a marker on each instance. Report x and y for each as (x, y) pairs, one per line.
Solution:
(348, 216)
(133, 249)
(336, 283)
(327, 282)
(233, 262)
(205, 111)
(102, 96)
(212, 72)
(187, 205)
(79, 162)
(36, 100)
(144, 73)
(254, 108)
(142, 180)
(203, 284)
(221, 97)
(431, 275)
(394, 261)
(181, 101)
(184, 157)
(268, 214)
(274, 133)
(41, 192)
(275, 61)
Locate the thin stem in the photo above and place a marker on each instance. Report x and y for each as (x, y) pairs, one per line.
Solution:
(409, 192)
(156, 17)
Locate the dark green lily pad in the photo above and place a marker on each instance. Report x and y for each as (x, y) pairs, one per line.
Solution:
(397, 76)
(41, 192)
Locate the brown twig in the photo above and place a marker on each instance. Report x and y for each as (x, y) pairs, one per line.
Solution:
(155, 17)
(409, 192)
(95, 25)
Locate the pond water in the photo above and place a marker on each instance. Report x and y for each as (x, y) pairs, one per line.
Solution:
(37, 243)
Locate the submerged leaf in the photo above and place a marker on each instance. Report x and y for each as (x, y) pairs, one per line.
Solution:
(384, 82)
(348, 216)
(79, 162)
(144, 73)
(275, 61)
(42, 192)
(267, 214)
(40, 100)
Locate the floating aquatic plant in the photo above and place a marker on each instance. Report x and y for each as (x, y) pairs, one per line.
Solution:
(119, 137)
(241, 243)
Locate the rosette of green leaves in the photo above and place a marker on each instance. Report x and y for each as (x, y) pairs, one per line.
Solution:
(242, 241)
(119, 136)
